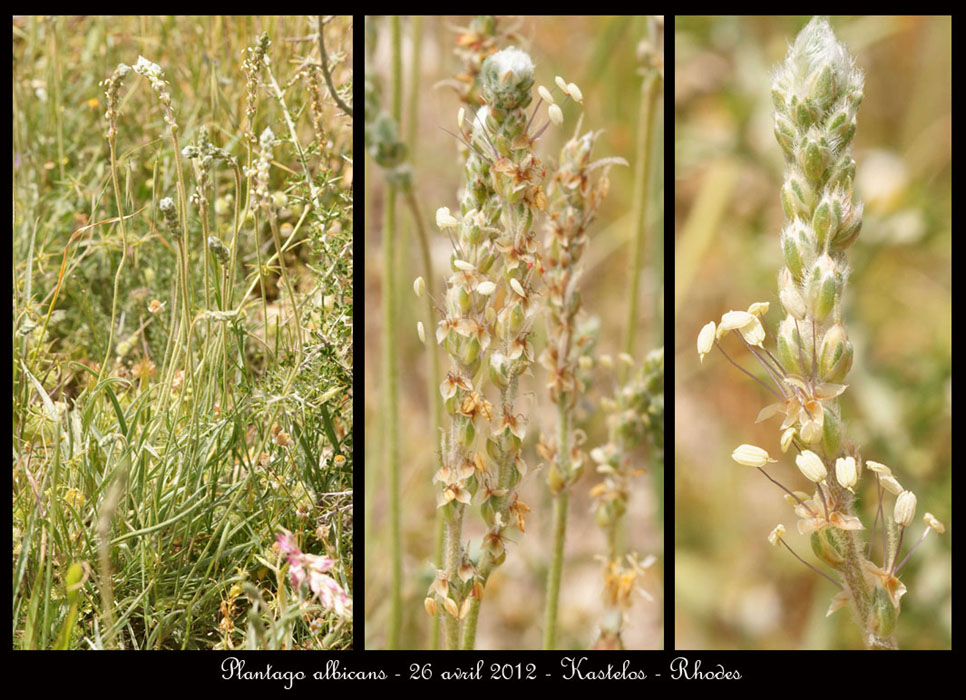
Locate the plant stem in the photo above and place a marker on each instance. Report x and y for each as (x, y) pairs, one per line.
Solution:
(325, 69)
(560, 504)
(120, 266)
(392, 371)
(432, 375)
(454, 551)
(650, 90)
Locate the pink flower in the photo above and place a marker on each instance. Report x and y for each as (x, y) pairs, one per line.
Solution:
(311, 567)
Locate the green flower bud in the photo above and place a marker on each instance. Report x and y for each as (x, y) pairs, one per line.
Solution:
(883, 613)
(218, 249)
(509, 443)
(842, 173)
(785, 133)
(831, 432)
(789, 294)
(513, 477)
(794, 352)
(826, 548)
(778, 99)
(466, 432)
(555, 480)
(451, 344)
(822, 287)
(841, 125)
(798, 244)
(825, 221)
(805, 114)
(798, 197)
(499, 374)
(812, 158)
(517, 318)
(849, 226)
(485, 263)
(462, 298)
(507, 77)
(835, 355)
(469, 351)
(488, 511)
(452, 404)
(824, 89)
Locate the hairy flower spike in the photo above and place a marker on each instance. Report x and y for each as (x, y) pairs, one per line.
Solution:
(113, 85)
(816, 93)
(154, 74)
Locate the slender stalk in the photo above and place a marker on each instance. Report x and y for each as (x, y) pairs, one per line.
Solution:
(651, 90)
(560, 504)
(454, 554)
(389, 346)
(120, 265)
(432, 374)
(325, 70)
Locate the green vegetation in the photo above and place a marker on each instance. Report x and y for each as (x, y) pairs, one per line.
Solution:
(182, 333)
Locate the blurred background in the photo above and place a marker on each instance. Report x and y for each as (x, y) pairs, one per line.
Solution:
(732, 589)
(599, 54)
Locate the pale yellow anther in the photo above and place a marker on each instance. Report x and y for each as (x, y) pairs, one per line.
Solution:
(733, 320)
(775, 536)
(905, 509)
(812, 466)
(421, 332)
(751, 456)
(706, 340)
(934, 523)
(880, 469)
(444, 219)
(891, 484)
(545, 94)
(555, 114)
(845, 472)
(753, 333)
(759, 308)
(486, 288)
(419, 286)
(747, 324)
(575, 93)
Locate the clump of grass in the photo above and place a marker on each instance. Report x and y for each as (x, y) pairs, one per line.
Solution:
(183, 373)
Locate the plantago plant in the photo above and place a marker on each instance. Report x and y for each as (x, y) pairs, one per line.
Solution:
(523, 244)
(806, 360)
